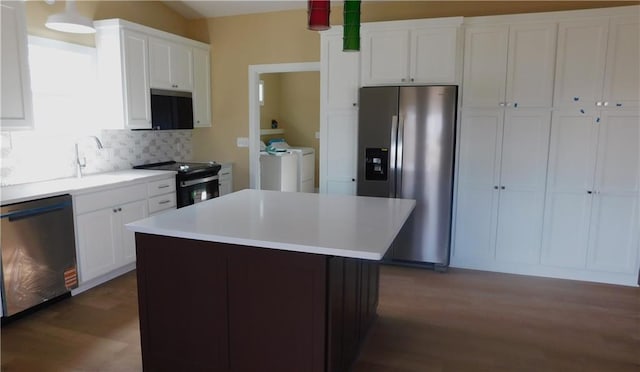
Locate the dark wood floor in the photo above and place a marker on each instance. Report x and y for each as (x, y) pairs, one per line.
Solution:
(459, 321)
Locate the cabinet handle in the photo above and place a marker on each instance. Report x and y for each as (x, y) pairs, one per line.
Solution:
(606, 104)
(501, 104)
(598, 103)
(115, 210)
(119, 209)
(353, 180)
(164, 202)
(502, 187)
(589, 192)
(403, 80)
(495, 187)
(198, 121)
(355, 104)
(163, 186)
(412, 79)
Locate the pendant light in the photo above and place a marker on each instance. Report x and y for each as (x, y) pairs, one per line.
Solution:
(70, 21)
(318, 14)
(351, 33)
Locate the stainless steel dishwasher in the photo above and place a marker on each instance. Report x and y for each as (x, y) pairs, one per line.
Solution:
(38, 252)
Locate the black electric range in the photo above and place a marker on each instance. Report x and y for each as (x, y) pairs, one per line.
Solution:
(195, 182)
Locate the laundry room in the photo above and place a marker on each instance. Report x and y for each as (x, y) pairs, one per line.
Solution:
(289, 131)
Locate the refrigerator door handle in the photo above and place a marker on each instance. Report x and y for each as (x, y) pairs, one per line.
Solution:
(400, 139)
(392, 155)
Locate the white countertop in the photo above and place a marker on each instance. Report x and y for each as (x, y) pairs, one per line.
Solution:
(88, 183)
(337, 225)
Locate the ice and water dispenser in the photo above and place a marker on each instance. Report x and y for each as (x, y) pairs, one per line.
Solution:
(376, 164)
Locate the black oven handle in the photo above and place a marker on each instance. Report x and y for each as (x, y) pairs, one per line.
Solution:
(197, 181)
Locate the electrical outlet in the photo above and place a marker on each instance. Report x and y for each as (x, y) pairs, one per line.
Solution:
(317, 135)
(242, 142)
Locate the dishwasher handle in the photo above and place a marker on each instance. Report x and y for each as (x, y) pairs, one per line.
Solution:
(26, 213)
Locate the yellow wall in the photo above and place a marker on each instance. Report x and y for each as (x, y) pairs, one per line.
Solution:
(300, 110)
(153, 14)
(236, 43)
(282, 37)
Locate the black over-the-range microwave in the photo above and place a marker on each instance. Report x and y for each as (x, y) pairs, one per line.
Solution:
(171, 109)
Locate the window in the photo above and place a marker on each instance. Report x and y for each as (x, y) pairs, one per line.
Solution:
(63, 80)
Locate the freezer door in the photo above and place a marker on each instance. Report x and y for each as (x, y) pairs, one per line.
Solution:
(377, 130)
(426, 146)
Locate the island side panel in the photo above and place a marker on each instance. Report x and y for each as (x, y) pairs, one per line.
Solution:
(277, 310)
(182, 293)
(353, 301)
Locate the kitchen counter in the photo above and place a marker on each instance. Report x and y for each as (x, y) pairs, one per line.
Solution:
(346, 226)
(74, 186)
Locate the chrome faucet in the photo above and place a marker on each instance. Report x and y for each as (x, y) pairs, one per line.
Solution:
(81, 163)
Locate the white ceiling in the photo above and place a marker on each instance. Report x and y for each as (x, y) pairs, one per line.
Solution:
(192, 9)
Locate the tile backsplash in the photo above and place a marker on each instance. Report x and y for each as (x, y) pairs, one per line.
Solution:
(35, 156)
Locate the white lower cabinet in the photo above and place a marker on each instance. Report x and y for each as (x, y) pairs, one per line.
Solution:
(591, 216)
(104, 243)
(340, 153)
(226, 179)
(502, 170)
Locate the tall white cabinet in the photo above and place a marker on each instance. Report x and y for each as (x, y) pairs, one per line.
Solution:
(549, 163)
(504, 136)
(340, 82)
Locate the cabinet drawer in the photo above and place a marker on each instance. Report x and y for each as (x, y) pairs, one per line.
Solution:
(162, 187)
(162, 202)
(108, 198)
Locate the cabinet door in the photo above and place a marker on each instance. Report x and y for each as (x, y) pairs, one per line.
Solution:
(622, 76)
(531, 63)
(340, 74)
(201, 89)
(569, 188)
(17, 112)
(160, 63)
(614, 220)
(425, 66)
(525, 146)
(128, 213)
(341, 151)
(485, 66)
(138, 94)
(98, 243)
(181, 67)
(580, 63)
(478, 172)
(385, 56)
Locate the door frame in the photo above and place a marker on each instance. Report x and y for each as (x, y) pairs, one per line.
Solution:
(254, 109)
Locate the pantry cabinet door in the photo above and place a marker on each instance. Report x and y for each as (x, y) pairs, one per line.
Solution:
(485, 66)
(622, 78)
(580, 63)
(525, 147)
(341, 153)
(614, 221)
(428, 67)
(569, 188)
(478, 174)
(341, 74)
(531, 63)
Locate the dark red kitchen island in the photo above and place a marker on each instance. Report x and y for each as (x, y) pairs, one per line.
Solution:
(261, 288)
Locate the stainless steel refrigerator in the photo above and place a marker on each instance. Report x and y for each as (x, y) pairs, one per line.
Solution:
(406, 147)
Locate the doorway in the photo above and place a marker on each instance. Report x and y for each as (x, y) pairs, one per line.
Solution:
(255, 71)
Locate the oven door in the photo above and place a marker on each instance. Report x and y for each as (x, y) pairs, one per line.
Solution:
(191, 191)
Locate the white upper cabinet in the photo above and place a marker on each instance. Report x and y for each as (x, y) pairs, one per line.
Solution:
(598, 63)
(201, 88)
(132, 59)
(170, 65)
(582, 46)
(622, 74)
(509, 65)
(410, 52)
(17, 111)
(340, 73)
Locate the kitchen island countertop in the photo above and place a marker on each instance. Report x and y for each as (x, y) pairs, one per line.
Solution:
(335, 225)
